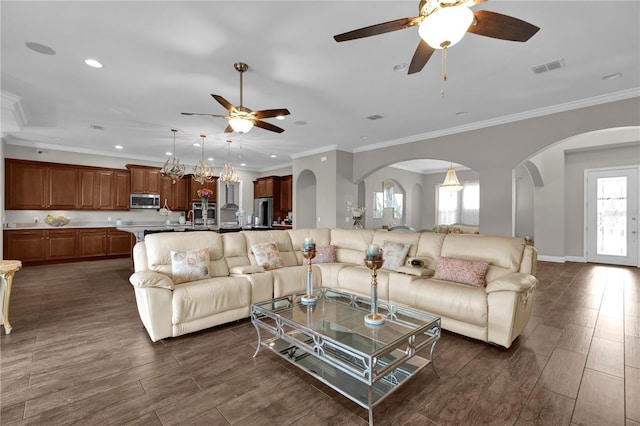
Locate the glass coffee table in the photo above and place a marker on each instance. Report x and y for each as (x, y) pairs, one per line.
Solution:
(330, 341)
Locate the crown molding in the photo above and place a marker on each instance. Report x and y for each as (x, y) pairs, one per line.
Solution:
(13, 117)
(320, 150)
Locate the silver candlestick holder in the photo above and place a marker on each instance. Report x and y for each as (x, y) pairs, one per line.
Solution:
(309, 299)
(374, 318)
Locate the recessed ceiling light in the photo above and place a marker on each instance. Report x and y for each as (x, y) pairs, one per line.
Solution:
(210, 159)
(118, 147)
(612, 76)
(40, 48)
(196, 144)
(93, 63)
(97, 127)
(243, 164)
(279, 117)
(400, 67)
(273, 156)
(168, 153)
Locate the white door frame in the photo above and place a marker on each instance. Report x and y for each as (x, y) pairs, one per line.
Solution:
(633, 228)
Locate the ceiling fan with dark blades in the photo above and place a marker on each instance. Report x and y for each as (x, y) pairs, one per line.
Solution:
(442, 23)
(241, 119)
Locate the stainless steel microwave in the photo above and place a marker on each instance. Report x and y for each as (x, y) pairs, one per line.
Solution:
(144, 201)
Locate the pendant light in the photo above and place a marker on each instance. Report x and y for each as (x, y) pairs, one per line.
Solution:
(228, 175)
(172, 168)
(451, 182)
(202, 173)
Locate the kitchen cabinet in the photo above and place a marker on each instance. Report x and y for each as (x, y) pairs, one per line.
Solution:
(286, 193)
(265, 187)
(118, 242)
(144, 179)
(194, 186)
(33, 185)
(122, 190)
(103, 190)
(176, 194)
(92, 242)
(40, 245)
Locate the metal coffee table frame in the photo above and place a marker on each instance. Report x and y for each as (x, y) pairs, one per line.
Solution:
(330, 341)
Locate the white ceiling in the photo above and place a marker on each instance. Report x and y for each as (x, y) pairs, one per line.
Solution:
(163, 58)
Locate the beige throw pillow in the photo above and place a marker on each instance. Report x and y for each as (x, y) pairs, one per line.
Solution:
(267, 255)
(393, 254)
(189, 265)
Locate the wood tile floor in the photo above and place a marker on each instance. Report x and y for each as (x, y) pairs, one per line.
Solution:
(78, 354)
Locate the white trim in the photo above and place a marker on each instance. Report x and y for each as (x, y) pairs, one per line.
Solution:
(578, 259)
(556, 259)
(316, 151)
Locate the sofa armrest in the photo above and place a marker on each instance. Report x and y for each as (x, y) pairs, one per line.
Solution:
(145, 279)
(518, 282)
(416, 271)
(246, 269)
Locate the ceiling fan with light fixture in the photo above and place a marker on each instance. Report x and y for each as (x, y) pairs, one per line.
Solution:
(443, 23)
(241, 119)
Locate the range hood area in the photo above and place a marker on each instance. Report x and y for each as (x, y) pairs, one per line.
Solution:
(230, 198)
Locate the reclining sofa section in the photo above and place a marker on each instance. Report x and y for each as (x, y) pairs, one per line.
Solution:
(480, 285)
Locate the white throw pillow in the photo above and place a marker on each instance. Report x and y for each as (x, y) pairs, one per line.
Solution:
(393, 254)
(267, 255)
(189, 265)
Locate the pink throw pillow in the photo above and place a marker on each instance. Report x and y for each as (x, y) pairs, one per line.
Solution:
(461, 271)
(325, 254)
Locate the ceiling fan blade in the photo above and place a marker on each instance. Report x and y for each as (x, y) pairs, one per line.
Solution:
(225, 103)
(267, 126)
(385, 27)
(228, 129)
(496, 25)
(420, 57)
(198, 113)
(267, 113)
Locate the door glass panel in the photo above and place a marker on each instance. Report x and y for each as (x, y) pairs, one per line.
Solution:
(611, 211)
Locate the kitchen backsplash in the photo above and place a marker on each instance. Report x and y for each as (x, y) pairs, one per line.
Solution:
(80, 216)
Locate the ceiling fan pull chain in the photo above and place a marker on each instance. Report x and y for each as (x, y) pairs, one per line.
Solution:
(444, 71)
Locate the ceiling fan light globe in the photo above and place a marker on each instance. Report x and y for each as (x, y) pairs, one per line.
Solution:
(240, 125)
(446, 26)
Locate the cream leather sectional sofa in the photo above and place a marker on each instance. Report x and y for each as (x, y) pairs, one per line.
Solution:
(496, 313)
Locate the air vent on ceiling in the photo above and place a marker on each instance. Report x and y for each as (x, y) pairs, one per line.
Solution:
(549, 66)
(374, 117)
(96, 127)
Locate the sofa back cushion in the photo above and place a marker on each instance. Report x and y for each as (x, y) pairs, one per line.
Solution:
(160, 245)
(429, 248)
(320, 236)
(282, 240)
(398, 237)
(351, 244)
(235, 249)
(504, 254)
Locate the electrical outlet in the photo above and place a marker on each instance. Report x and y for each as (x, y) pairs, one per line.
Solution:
(349, 203)
(318, 220)
(35, 219)
(109, 218)
(346, 219)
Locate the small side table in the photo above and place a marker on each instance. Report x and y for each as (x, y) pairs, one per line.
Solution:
(7, 269)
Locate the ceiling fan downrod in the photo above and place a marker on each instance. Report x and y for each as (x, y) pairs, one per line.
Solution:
(241, 67)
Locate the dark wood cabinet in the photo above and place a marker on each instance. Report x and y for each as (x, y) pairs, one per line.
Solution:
(144, 179)
(118, 242)
(61, 244)
(41, 245)
(176, 194)
(39, 186)
(32, 185)
(286, 193)
(194, 186)
(265, 187)
(92, 242)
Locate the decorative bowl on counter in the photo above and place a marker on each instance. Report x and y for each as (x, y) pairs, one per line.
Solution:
(56, 221)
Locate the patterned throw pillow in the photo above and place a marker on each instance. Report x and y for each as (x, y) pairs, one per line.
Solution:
(461, 271)
(267, 255)
(393, 254)
(325, 254)
(189, 265)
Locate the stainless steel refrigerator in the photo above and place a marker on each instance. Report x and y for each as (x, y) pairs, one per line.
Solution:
(263, 211)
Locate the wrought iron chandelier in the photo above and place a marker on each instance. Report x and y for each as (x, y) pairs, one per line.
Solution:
(172, 168)
(202, 173)
(228, 175)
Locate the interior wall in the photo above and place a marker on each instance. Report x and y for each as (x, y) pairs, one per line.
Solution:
(346, 190)
(524, 203)
(2, 218)
(494, 152)
(306, 187)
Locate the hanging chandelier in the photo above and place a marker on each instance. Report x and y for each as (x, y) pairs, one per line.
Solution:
(451, 181)
(228, 175)
(202, 173)
(172, 168)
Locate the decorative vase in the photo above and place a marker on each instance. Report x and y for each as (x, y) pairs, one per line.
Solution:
(357, 222)
(374, 318)
(204, 205)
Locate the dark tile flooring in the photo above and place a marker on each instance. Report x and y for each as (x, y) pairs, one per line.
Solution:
(78, 354)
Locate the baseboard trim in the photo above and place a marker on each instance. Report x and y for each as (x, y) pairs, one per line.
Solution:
(578, 259)
(555, 259)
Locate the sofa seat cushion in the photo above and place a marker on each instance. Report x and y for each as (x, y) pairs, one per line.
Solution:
(452, 300)
(199, 299)
(357, 280)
